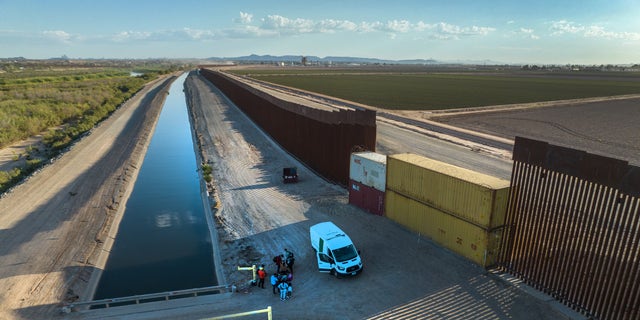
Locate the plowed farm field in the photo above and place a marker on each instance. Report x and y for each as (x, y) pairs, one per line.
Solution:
(607, 127)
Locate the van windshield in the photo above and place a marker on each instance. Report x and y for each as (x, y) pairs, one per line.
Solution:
(345, 253)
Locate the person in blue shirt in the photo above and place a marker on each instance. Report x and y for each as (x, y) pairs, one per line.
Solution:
(274, 282)
(284, 287)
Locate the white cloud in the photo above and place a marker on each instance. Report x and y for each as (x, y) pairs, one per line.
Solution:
(479, 31)
(288, 26)
(563, 27)
(529, 33)
(198, 34)
(131, 35)
(248, 32)
(421, 26)
(600, 32)
(184, 34)
(273, 26)
(58, 35)
(245, 18)
(277, 25)
(402, 26)
(332, 26)
(446, 31)
(370, 26)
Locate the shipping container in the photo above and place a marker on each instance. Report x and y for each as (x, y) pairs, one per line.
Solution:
(369, 168)
(477, 244)
(366, 198)
(472, 196)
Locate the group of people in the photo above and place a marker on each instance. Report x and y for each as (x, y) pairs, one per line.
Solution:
(284, 262)
(281, 279)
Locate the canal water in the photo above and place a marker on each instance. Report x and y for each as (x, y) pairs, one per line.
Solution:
(163, 242)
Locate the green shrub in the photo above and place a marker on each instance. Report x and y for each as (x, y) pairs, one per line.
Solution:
(9, 178)
(33, 163)
(206, 172)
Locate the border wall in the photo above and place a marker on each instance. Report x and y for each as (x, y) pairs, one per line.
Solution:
(322, 139)
(572, 228)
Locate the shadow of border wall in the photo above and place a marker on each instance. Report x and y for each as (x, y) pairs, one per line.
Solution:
(322, 139)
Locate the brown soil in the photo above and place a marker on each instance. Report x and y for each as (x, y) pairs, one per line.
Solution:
(604, 126)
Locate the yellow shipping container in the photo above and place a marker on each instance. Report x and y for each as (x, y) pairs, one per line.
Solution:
(473, 242)
(472, 196)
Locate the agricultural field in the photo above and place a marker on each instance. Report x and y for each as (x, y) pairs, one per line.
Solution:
(438, 89)
(59, 103)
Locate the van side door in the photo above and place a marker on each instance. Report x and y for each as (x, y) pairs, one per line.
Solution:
(325, 263)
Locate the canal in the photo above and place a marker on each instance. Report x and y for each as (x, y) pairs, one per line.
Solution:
(163, 242)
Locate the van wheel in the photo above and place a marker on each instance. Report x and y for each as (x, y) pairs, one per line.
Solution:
(334, 273)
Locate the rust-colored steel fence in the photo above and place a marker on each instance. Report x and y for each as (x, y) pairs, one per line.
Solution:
(322, 139)
(573, 228)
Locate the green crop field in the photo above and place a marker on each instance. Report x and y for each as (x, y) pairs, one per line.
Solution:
(436, 91)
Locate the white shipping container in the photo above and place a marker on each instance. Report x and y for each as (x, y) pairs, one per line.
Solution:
(369, 168)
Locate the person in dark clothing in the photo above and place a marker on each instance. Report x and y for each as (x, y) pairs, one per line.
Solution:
(278, 261)
(289, 259)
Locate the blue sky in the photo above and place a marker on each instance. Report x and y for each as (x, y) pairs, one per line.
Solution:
(546, 31)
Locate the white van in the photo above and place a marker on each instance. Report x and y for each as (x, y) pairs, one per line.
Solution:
(335, 252)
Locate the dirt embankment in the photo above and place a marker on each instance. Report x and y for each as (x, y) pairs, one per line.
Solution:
(55, 225)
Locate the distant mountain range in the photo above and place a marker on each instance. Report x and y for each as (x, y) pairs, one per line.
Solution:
(343, 60)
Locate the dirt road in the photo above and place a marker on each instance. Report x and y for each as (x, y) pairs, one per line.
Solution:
(53, 226)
